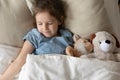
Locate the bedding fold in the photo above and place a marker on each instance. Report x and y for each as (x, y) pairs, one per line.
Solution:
(61, 67)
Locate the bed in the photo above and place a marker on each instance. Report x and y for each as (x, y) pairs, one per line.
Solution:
(83, 17)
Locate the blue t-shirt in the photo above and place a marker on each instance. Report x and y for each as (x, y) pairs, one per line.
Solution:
(51, 45)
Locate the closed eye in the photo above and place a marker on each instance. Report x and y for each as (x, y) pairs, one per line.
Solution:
(39, 23)
(50, 23)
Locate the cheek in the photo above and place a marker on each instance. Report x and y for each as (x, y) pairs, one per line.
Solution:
(54, 28)
(39, 28)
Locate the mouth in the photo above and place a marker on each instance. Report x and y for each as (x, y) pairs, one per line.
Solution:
(47, 32)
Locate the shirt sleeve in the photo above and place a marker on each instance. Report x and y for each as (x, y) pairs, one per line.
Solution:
(68, 35)
(31, 37)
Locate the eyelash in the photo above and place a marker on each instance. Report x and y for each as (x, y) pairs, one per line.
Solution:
(39, 24)
(50, 23)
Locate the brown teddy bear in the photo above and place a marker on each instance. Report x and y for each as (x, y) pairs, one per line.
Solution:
(105, 46)
(81, 46)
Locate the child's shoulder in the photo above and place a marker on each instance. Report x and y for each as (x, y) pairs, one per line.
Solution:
(34, 32)
(65, 32)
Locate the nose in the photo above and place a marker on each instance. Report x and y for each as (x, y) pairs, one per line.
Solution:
(45, 26)
(108, 41)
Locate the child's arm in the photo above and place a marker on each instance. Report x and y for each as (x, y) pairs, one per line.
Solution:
(15, 67)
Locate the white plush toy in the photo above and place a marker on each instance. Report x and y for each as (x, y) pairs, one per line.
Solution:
(105, 46)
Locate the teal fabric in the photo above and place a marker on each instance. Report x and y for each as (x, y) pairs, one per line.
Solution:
(52, 45)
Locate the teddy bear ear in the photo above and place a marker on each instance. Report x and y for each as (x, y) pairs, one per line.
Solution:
(92, 36)
(76, 37)
(117, 42)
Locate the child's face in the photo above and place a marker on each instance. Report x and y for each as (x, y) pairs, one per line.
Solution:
(46, 24)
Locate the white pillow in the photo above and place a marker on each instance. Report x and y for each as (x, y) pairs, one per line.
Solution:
(15, 21)
(114, 15)
(60, 67)
(85, 16)
(19, 20)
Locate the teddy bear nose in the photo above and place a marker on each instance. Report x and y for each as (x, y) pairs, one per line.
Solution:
(107, 41)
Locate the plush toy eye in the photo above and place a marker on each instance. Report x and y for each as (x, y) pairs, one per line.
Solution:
(99, 42)
(85, 41)
(88, 40)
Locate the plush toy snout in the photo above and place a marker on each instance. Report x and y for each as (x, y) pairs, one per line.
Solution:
(106, 45)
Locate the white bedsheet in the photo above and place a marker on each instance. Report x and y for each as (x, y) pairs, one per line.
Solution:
(60, 67)
(7, 55)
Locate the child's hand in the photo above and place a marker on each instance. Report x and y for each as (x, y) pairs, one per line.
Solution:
(2, 78)
(0, 75)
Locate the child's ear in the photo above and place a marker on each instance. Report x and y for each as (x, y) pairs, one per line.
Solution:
(61, 20)
(59, 23)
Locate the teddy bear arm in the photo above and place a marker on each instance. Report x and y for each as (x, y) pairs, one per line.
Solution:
(69, 51)
(76, 53)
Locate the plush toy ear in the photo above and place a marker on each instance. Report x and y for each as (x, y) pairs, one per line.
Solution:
(76, 37)
(117, 42)
(92, 36)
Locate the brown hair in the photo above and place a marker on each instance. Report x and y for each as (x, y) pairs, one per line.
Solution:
(56, 8)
